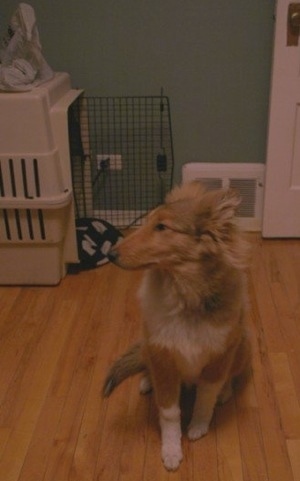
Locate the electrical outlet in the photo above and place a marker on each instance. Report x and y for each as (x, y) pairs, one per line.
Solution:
(109, 161)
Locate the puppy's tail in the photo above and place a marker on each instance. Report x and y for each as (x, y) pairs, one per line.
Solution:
(130, 363)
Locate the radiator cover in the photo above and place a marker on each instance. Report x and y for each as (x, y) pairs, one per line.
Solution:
(247, 179)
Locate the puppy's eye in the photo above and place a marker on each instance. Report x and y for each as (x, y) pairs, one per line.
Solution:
(160, 227)
(208, 233)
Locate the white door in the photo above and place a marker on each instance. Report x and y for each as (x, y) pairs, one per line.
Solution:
(281, 217)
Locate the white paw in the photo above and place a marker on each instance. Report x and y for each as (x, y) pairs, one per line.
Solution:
(197, 430)
(171, 456)
(145, 385)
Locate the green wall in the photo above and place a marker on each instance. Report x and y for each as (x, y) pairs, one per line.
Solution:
(212, 58)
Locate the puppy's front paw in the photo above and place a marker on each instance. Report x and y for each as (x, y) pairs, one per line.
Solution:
(197, 430)
(172, 457)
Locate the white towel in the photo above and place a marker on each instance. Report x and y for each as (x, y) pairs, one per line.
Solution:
(22, 65)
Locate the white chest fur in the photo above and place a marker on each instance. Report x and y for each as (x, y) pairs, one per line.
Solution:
(170, 326)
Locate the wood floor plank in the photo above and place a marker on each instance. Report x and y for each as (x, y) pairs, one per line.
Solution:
(228, 443)
(4, 436)
(262, 301)
(205, 456)
(51, 412)
(8, 297)
(73, 376)
(276, 456)
(282, 281)
(19, 335)
(294, 454)
(286, 395)
(17, 445)
(254, 465)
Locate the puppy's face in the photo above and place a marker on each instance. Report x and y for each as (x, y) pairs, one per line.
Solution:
(163, 240)
(187, 228)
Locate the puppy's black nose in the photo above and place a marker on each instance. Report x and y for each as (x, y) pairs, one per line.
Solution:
(113, 255)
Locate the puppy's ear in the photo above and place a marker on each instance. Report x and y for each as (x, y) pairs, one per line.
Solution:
(226, 203)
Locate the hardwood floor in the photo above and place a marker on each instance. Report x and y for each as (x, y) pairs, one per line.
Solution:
(57, 343)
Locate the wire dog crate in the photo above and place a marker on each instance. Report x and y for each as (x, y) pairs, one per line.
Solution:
(122, 156)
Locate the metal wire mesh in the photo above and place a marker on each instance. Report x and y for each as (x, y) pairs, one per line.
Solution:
(122, 156)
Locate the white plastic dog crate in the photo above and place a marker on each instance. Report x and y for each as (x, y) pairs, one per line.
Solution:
(37, 226)
(248, 179)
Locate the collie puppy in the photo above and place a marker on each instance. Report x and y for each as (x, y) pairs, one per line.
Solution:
(193, 303)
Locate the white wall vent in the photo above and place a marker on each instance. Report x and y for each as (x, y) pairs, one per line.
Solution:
(248, 179)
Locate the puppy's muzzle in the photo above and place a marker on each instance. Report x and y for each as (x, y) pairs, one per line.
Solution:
(113, 255)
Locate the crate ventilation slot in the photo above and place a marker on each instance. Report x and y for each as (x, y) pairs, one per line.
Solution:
(20, 178)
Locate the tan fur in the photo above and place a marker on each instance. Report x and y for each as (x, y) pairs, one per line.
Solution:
(127, 365)
(193, 302)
